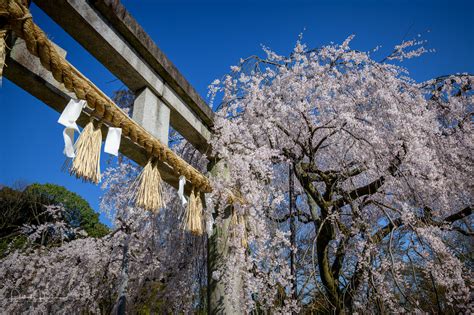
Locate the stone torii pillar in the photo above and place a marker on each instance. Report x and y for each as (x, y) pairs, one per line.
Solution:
(219, 301)
(152, 113)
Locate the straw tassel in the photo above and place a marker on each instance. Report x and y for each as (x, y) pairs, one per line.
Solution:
(193, 216)
(238, 221)
(86, 164)
(244, 240)
(149, 190)
(198, 215)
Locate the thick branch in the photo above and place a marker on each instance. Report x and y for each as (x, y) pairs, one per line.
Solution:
(305, 181)
(372, 187)
(459, 215)
(380, 234)
(359, 192)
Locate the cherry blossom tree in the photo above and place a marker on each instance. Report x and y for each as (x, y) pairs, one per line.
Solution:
(384, 181)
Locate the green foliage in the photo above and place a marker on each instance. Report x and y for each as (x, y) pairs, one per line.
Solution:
(78, 211)
(16, 210)
(27, 207)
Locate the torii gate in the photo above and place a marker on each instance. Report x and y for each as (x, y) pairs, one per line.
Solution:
(163, 97)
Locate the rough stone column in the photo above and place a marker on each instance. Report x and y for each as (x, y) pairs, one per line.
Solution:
(217, 249)
(152, 114)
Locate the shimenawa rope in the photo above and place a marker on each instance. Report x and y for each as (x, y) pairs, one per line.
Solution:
(3, 51)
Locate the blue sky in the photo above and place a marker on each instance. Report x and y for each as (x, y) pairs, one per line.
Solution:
(204, 38)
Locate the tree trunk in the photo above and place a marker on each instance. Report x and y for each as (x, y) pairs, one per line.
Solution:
(325, 234)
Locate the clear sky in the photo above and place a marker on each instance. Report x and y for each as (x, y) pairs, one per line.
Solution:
(204, 38)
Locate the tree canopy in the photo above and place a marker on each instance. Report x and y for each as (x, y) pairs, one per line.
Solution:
(78, 211)
(383, 181)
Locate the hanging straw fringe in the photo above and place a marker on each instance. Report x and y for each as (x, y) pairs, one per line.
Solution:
(149, 193)
(244, 240)
(3, 51)
(86, 164)
(198, 215)
(234, 196)
(193, 215)
(238, 221)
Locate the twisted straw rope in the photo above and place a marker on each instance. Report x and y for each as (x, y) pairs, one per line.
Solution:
(19, 20)
(3, 50)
